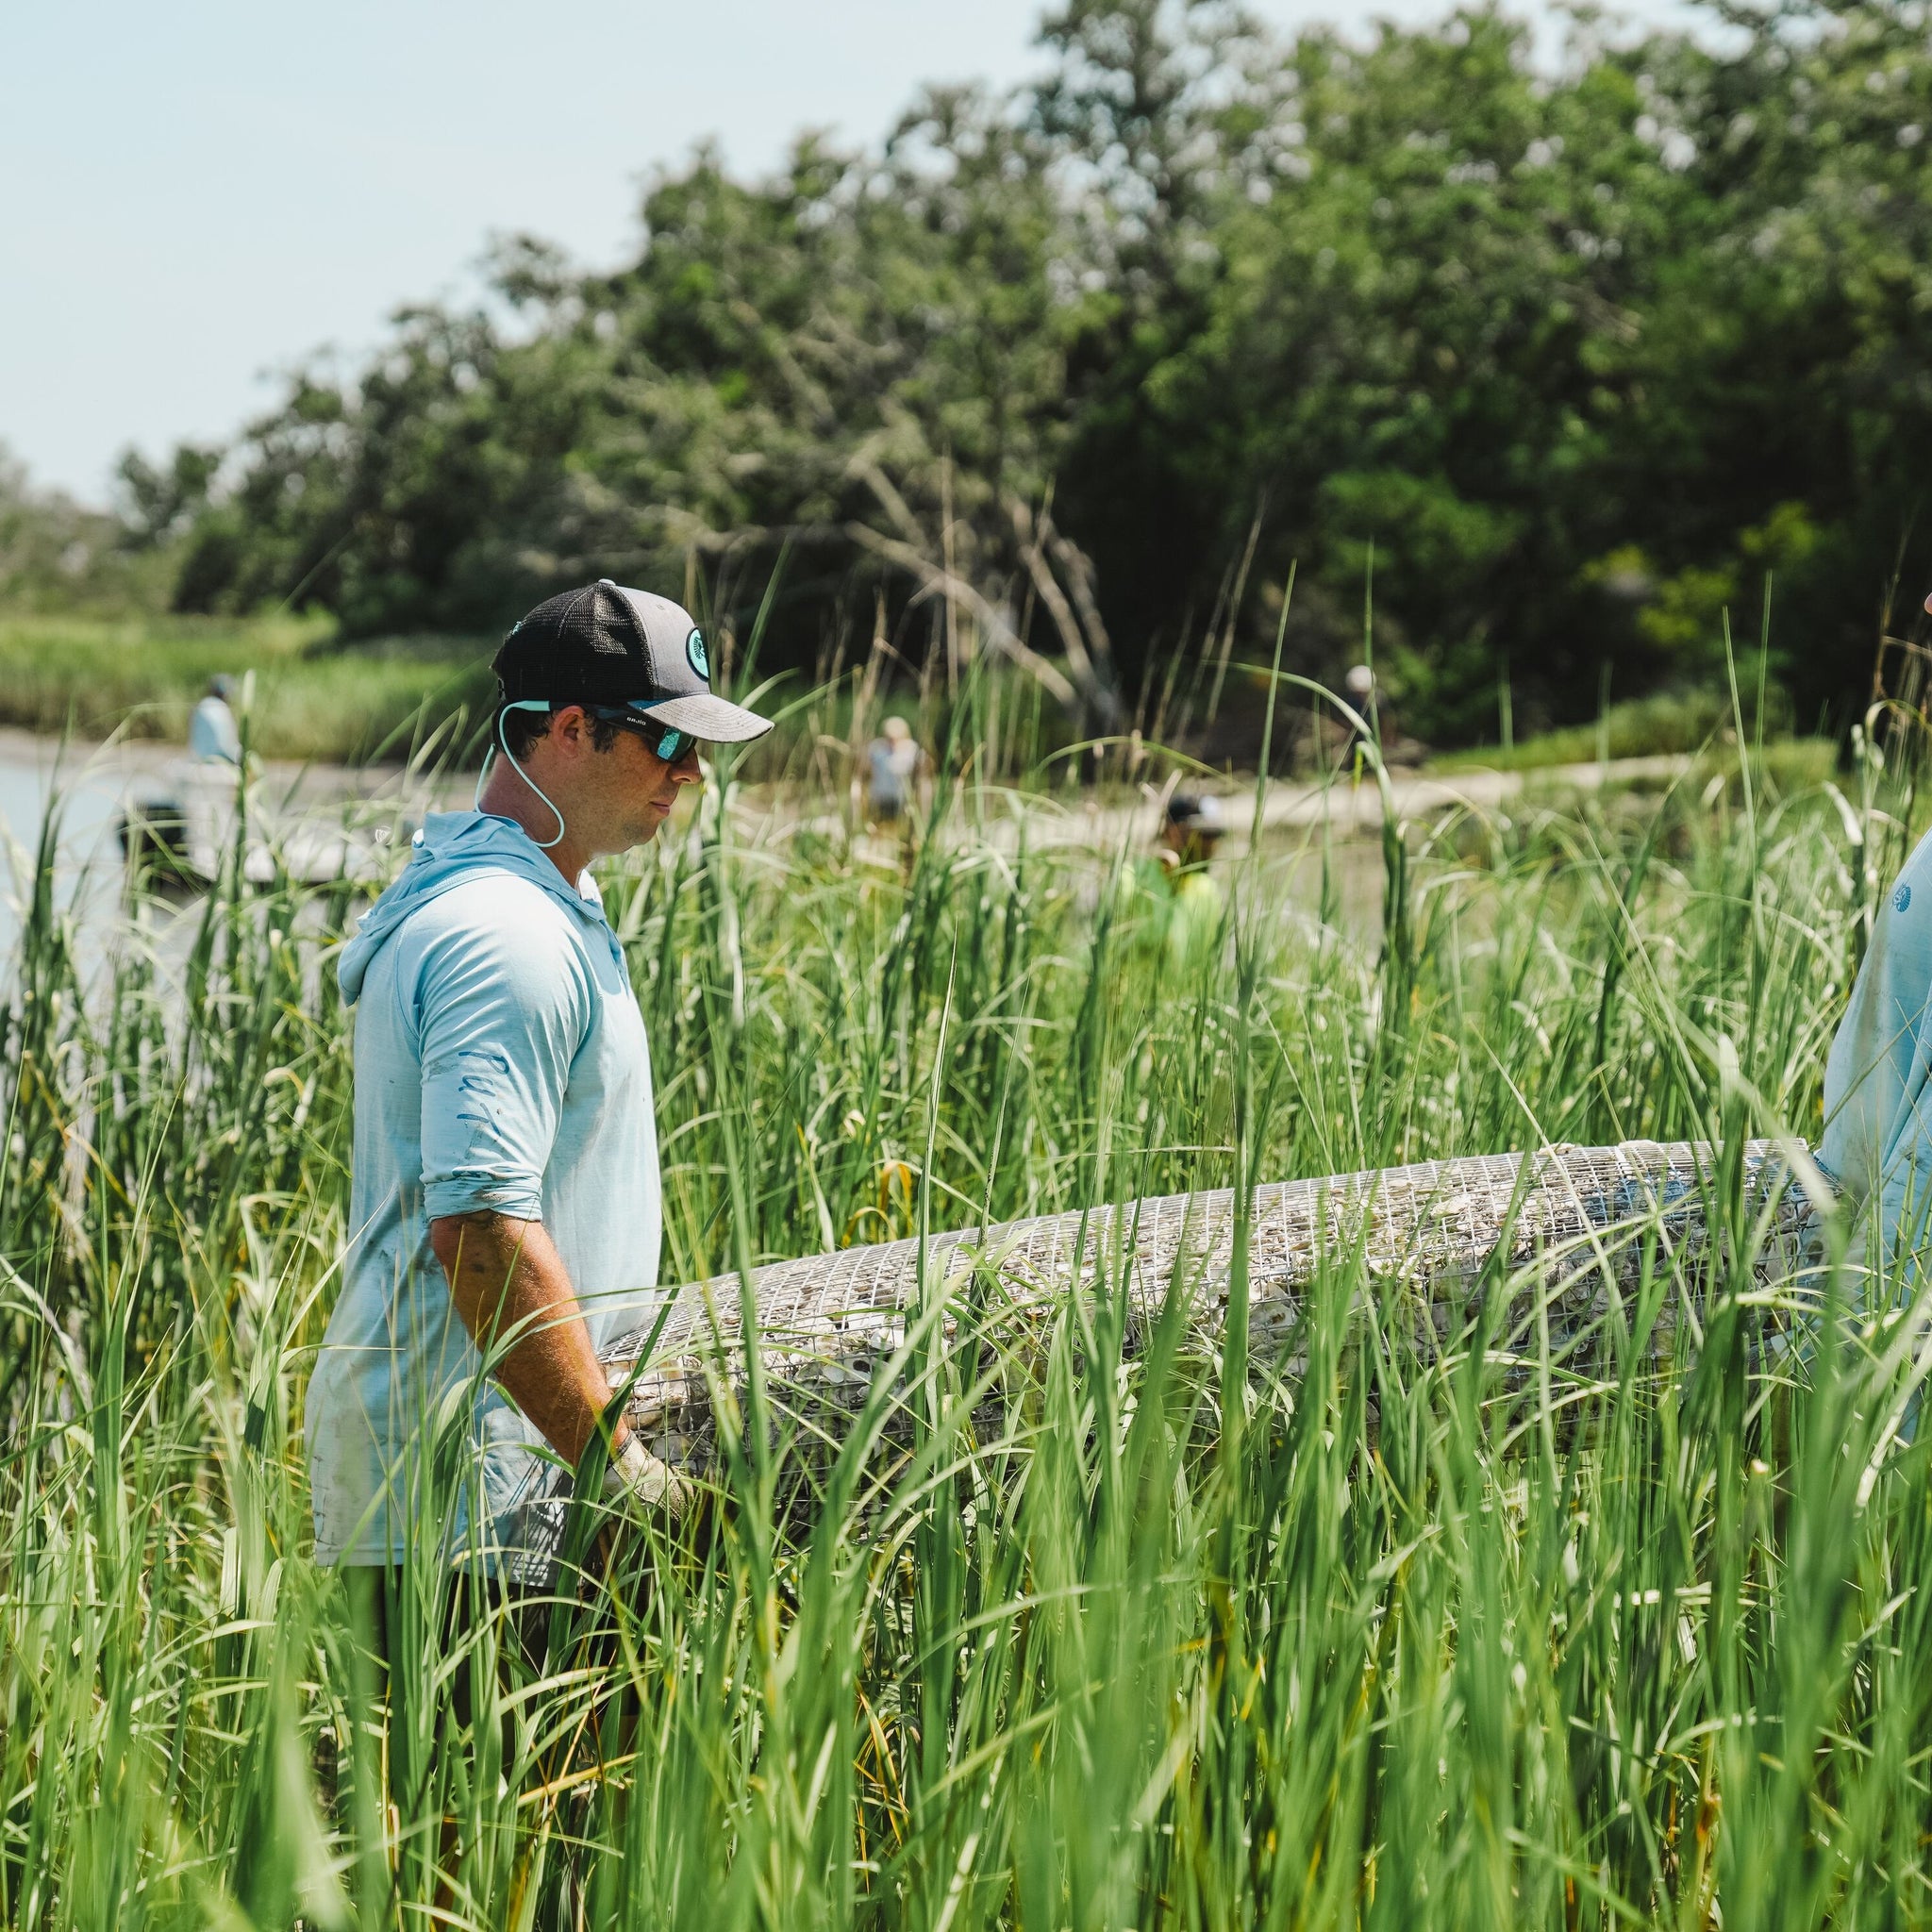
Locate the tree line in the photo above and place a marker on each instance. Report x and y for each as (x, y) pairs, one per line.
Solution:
(1546, 374)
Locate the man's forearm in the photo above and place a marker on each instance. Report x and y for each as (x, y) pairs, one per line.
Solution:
(508, 1283)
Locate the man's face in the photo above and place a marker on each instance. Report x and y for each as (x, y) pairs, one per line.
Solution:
(1189, 843)
(616, 798)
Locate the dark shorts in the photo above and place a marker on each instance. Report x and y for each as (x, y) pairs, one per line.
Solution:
(384, 1619)
(498, 1637)
(403, 1641)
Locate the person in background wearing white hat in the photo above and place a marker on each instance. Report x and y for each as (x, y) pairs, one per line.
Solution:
(895, 759)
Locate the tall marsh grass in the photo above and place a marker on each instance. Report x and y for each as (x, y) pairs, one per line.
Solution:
(1177, 1645)
(308, 698)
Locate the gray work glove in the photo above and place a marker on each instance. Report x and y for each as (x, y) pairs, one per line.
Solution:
(642, 1481)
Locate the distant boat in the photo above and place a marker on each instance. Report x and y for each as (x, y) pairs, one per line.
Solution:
(182, 830)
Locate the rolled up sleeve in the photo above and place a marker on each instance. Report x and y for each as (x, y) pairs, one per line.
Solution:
(500, 1017)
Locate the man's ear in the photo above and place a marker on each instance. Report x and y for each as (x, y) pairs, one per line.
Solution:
(570, 724)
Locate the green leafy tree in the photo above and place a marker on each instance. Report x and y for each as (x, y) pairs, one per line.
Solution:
(1577, 360)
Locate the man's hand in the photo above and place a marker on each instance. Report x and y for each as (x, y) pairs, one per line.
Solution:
(639, 1480)
(508, 1283)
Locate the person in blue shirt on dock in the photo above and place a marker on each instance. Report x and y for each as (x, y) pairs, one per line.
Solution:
(213, 736)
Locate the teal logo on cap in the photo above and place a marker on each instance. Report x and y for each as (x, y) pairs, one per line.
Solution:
(695, 650)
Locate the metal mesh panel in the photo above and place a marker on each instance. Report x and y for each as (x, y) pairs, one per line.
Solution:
(1562, 1232)
(1561, 1235)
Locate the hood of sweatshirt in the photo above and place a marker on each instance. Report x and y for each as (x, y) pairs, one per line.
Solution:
(451, 847)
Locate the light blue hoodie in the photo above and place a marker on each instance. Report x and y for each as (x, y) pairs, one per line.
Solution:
(1878, 1142)
(500, 1064)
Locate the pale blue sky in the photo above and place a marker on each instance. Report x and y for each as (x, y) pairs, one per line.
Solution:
(196, 195)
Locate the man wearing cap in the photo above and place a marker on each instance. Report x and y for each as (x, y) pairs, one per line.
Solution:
(1177, 893)
(504, 1197)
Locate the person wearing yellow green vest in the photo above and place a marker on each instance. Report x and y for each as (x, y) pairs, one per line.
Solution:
(1175, 890)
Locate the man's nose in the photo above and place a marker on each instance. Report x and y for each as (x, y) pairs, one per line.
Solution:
(686, 770)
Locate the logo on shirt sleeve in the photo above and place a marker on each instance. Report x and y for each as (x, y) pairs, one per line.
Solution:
(1902, 898)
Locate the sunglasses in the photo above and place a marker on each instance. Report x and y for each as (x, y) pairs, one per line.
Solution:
(662, 740)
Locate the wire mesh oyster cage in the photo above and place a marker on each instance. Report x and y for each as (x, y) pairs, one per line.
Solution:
(1552, 1243)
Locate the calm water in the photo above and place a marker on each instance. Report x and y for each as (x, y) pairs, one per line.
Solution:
(93, 784)
(306, 807)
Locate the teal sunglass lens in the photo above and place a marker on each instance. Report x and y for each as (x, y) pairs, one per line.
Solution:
(666, 740)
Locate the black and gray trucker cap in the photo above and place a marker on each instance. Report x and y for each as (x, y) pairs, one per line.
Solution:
(609, 645)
